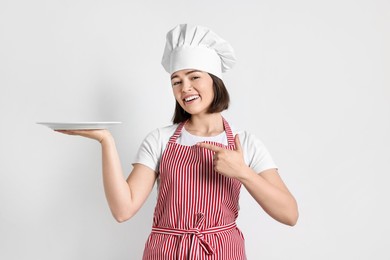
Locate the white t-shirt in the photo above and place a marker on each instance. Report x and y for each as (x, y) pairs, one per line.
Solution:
(256, 155)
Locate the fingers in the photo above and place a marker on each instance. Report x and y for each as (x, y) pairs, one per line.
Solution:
(211, 147)
(73, 132)
(215, 148)
(68, 132)
(98, 135)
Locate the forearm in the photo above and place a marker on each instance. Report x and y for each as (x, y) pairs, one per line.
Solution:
(116, 188)
(277, 202)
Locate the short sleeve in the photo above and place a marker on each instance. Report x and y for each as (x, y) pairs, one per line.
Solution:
(152, 147)
(256, 154)
(149, 152)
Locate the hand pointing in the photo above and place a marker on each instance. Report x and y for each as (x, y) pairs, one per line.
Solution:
(227, 162)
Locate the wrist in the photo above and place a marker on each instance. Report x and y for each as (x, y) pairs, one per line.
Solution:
(106, 137)
(246, 173)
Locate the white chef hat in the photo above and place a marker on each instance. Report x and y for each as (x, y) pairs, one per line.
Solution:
(197, 47)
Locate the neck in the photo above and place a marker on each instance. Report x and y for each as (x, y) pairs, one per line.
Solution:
(205, 125)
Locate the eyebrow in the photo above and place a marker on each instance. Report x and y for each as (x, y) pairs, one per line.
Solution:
(189, 72)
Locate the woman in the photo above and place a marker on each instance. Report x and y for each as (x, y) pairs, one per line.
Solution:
(199, 162)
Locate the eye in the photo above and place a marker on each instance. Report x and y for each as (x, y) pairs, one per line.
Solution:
(176, 83)
(195, 77)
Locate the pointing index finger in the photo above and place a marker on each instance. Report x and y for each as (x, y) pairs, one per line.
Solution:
(211, 147)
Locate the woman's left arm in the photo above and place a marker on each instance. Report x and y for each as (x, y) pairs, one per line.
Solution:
(267, 188)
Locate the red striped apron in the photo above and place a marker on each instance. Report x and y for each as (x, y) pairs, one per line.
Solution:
(196, 207)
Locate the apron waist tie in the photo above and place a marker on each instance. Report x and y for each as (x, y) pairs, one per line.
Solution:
(197, 236)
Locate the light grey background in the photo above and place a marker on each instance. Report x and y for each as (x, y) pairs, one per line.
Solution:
(312, 81)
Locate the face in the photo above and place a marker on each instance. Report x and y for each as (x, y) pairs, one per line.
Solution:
(193, 90)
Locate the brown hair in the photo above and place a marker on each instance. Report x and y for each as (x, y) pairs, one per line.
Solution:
(220, 102)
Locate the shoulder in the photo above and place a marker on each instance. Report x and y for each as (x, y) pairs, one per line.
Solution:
(247, 138)
(153, 146)
(161, 135)
(256, 154)
(163, 132)
(251, 143)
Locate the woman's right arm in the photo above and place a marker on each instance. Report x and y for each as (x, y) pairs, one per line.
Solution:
(124, 197)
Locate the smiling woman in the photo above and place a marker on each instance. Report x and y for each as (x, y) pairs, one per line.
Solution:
(199, 162)
(220, 100)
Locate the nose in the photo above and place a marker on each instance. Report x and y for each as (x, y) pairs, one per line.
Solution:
(186, 86)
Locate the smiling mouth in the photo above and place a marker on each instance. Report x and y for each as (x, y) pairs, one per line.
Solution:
(191, 98)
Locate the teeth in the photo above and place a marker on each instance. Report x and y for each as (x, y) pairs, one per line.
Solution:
(191, 98)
